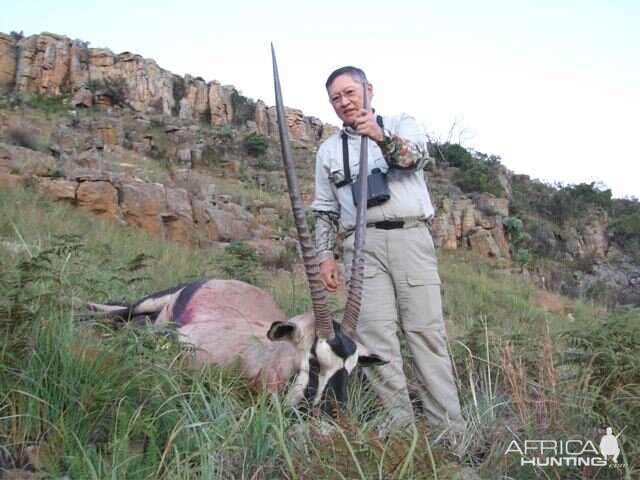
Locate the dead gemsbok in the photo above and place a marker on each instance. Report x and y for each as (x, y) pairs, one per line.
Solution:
(228, 320)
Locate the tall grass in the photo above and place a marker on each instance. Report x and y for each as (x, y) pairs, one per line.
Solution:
(87, 400)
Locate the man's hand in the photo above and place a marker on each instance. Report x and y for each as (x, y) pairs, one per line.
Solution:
(365, 124)
(329, 274)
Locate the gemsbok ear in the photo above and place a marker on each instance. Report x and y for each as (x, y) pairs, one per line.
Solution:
(280, 331)
(366, 358)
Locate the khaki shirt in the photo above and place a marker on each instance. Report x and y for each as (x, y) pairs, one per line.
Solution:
(409, 196)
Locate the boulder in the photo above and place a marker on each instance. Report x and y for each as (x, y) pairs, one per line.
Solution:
(58, 189)
(99, 198)
(481, 242)
(142, 206)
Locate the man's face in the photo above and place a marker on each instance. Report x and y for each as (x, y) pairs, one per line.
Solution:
(346, 97)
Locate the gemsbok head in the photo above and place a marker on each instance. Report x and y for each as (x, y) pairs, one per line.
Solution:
(227, 320)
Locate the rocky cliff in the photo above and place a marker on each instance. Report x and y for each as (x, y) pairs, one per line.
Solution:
(50, 64)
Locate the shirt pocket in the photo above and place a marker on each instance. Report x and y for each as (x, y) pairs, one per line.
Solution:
(336, 176)
(380, 163)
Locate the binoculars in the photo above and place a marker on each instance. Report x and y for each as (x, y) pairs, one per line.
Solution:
(377, 188)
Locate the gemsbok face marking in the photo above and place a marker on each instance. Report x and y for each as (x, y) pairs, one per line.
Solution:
(227, 320)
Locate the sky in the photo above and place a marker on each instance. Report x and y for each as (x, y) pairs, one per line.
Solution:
(552, 87)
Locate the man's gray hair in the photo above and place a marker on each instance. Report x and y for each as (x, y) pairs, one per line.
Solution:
(356, 73)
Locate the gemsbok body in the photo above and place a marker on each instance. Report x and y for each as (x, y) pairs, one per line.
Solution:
(228, 320)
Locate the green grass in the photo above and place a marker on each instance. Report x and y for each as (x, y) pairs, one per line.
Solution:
(99, 402)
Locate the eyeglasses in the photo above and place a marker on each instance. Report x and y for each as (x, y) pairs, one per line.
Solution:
(349, 93)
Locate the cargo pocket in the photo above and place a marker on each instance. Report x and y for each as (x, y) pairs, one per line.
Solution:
(421, 304)
(428, 277)
(369, 272)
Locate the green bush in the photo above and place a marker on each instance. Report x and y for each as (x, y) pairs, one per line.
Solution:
(572, 201)
(49, 104)
(607, 350)
(242, 263)
(255, 144)
(244, 108)
(625, 230)
(477, 172)
(115, 87)
(523, 256)
(479, 178)
(520, 239)
(225, 133)
(626, 227)
(453, 154)
(515, 229)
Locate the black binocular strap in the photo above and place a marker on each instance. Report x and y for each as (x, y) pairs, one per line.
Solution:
(345, 154)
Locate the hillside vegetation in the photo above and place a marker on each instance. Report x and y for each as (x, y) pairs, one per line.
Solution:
(84, 399)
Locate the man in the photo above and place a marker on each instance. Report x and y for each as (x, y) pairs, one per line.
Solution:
(401, 284)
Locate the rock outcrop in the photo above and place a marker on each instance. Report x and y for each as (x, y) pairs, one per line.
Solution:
(165, 212)
(50, 64)
(8, 54)
(475, 223)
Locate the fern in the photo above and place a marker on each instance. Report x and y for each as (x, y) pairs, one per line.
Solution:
(605, 358)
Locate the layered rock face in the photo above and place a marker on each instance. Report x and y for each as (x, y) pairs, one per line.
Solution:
(163, 211)
(477, 224)
(50, 64)
(8, 55)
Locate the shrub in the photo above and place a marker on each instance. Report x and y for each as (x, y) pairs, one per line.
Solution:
(49, 104)
(241, 263)
(479, 178)
(286, 259)
(244, 108)
(178, 91)
(520, 239)
(477, 172)
(515, 229)
(571, 201)
(453, 154)
(523, 256)
(607, 354)
(255, 144)
(625, 230)
(115, 87)
(531, 196)
(626, 227)
(118, 89)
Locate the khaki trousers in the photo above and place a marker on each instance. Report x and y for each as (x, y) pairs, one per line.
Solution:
(402, 289)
